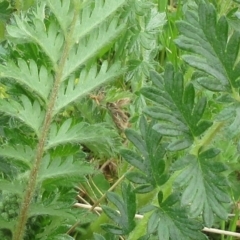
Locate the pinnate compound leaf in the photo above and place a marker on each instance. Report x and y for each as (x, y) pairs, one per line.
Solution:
(179, 113)
(24, 112)
(60, 9)
(51, 210)
(127, 208)
(133, 158)
(96, 136)
(36, 79)
(90, 47)
(213, 51)
(92, 17)
(137, 140)
(169, 221)
(62, 172)
(88, 81)
(150, 161)
(175, 224)
(48, 38)
(19, 154)
(204, 186)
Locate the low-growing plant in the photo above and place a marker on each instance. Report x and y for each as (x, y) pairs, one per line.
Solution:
(130, 105)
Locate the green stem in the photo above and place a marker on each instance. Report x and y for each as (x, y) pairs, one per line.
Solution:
(18, 234)
(211, 133)
(233, 223)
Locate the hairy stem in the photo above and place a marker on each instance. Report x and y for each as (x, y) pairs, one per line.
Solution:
(31, 186)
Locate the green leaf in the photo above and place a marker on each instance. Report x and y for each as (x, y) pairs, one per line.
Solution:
(133, 158)
(213, 50)
(49, 39)
(204, 187)
(169, 221)
(179, 145)
(13, 187)
(174, 224)
(90, 47)
(153, 223)
(112, 229)
(24, 112)
(98, 237)
(176, 107)
(189, 96)
(202, 126)
(62, 171)
(93, 17)
(96, 136)
(59, 9)
(19, 153)
(37, 209)
(137, 140)
(212, 84)
(88, 81)
(210, 153)
(127, 209)
(168, 129)
(33, 77)
(137, 177)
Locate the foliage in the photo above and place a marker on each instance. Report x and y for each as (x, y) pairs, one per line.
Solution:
(98, 93)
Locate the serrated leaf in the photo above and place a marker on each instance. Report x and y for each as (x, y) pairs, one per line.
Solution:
(199, 109)
(153, 223)
(90, 47)
(179, 145)
(137, 177)
(115, 216)
(203, 188)
(137, 140)
(38, 209)
(189, 96)
(60, 171)
(213, 51)
(174, 224)
(28, 74)
(24, 112)
(157, 79)
(144, 188)
(133, 158)
(19, 153)
(127, 209)
(168, 129)
(112, 229)
(62, 8)
(49, 39)
(227, 113)
(210, 153)
(93, 17)
(179, 113)
(88, 81)
(201, 127)
(211, 84)
(96, 136)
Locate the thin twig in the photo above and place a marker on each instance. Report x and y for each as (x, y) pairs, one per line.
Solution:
(110, 189)
(138, 216)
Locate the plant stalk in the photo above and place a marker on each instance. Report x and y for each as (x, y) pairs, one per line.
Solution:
(18, 234)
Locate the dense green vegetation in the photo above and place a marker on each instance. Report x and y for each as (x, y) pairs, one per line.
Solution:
(127, 108)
